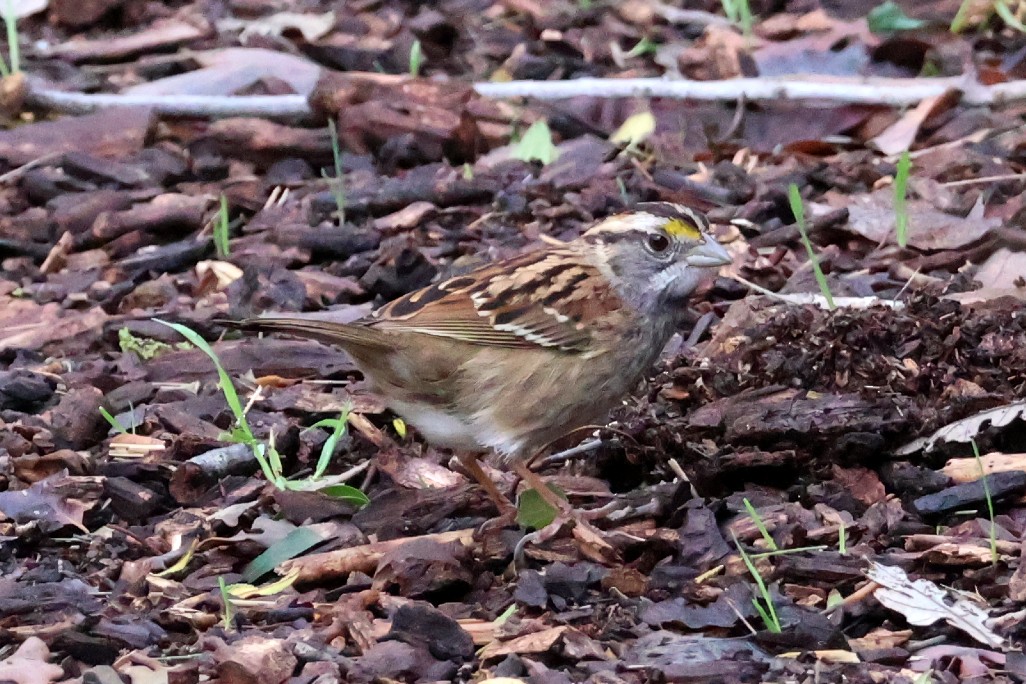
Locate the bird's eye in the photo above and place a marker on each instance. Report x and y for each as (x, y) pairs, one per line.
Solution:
(658, 243)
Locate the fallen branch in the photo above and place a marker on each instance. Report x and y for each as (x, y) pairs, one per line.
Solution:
(883, 91)
(269, 106)
(321, 566)
(887, 91)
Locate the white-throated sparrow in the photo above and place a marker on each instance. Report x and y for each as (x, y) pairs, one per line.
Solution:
(518, 353)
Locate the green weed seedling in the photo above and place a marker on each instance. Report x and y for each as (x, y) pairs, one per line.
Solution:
(798, 209)
(265, 453)
(13, 63)
(740, 13)
(221, 225)
(537, 145)
(900, 198)
(764, 601)
(759, 524)
(337, 184)
(990, 503)
(416, 58)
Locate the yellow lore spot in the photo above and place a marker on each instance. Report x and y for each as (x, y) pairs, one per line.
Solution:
(680, 229)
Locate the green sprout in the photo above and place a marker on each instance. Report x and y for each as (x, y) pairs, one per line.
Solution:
(764, 602)
(337, 184)
(537, 145)
(798, 209)
(265, 453)
(143, 347)
(900, 196)
(759, 524)
(228, 614)
(221, 224)
(14, 52)
(739, 12)
(990, 503)
(338, 430)
(998, 7)
(645, 46)
(416, 58)
(114, 422)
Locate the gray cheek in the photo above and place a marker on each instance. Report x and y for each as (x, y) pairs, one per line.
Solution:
(683, 281)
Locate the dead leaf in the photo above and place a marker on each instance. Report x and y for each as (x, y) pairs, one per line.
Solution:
(28, 664)
(966, 429)
(256, 658)
(900, 135)
(535, 642)
(872, 216)
(962, 470)
(226, 71)
(311, 26)
(1001, 275)
(923, 603)
(54, 502)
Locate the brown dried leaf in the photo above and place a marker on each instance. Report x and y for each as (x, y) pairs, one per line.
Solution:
(872, 216)
(28, 665)
(52, 502)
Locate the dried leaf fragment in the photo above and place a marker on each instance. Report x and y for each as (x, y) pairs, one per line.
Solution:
(967, 428)
(923, 603)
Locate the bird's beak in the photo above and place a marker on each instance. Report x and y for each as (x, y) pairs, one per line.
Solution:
(709, 254)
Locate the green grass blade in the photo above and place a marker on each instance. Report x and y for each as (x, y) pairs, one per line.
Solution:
(338, 427)
(769, 612)
(798, 209)
(291, 545)
(224, 381)
(900, 197)
(114, 422)
(990, 503)
(759, 524)
(416, 58)
(14, 50)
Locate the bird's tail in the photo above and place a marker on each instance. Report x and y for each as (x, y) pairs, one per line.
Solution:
(344, 335)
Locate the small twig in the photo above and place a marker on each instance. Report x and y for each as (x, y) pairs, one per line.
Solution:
(572, 452)
(985, 179)
(889, 91)
(17, 172)
(271, 106)
(677, 470)
(855, 597)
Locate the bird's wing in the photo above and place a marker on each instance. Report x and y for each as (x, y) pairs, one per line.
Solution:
(550, 298)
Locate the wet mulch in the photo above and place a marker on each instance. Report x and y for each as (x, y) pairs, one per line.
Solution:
(770, 454)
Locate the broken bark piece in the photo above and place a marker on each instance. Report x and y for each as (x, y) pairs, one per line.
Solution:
(373, 109)
(24, 390)
(167, 216)
(266, 142)
(133, 502)
(116, 132)
(288, 358)
(322, 566)
(327, 240)
(76, 420)
(162, 34)
(749, 417)
(170, 258)
(971, 494)
(80, 13)
(193, 478)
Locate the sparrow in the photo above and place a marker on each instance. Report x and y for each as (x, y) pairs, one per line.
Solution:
(513, 355)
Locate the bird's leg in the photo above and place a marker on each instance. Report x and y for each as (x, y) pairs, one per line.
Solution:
(501, 501)
(594, 544)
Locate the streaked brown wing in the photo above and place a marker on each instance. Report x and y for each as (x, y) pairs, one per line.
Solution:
(547, 298)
